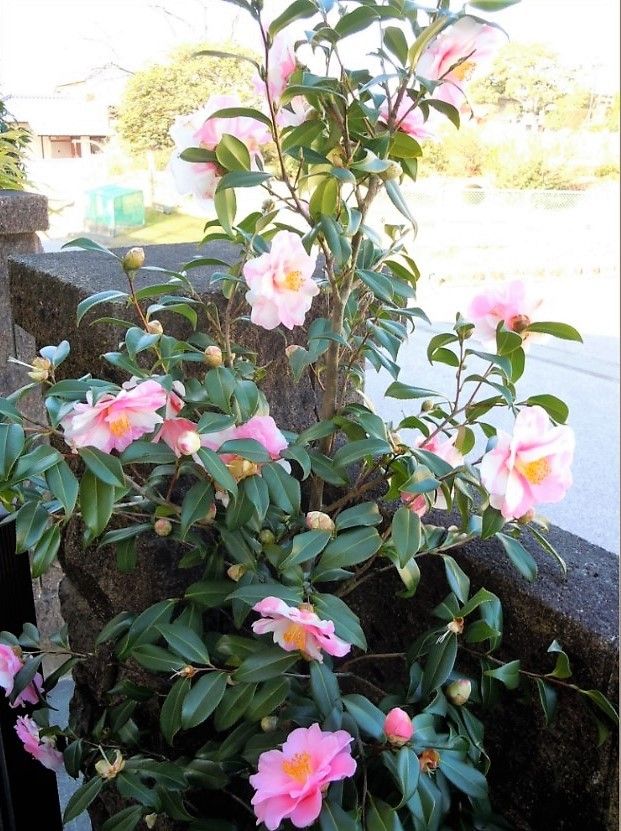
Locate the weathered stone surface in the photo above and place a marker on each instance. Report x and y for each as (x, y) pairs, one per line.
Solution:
(542, 778)
(22, 212)
(45, 291)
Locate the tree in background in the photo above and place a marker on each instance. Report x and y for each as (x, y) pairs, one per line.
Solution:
(156, 95)
(13, 142)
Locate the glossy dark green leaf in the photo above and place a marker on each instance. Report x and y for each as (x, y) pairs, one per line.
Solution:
(82, 798)
(406, 534)
(465, 777)
(369, 718)
(522, 559)
(269, 662)
(203, 699)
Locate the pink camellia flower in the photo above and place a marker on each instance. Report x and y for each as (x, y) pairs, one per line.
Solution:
(281, 66)
(443, 447)
(30, 694)
(467, 41)
(298, 629)
(115, 421)
(530, 466)
(10, 664)
(295, 113)
(43, 748)
(409, 119)
(176, 433)
(291, 782)
(198, 129)
(416, 502)
(398, 727)
(264, 430)
(281, 285)
(510, 303)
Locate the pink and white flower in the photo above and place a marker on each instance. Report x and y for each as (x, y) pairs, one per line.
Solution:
(42, 748)
(198, 129)
(115, 421)
(510, 303)
(10, 664)
(467, 41)
(441, 446)
(530, 466)
(416, 502)
(291, 782)
(175, 433)
(398, 727)
(409, 119)
(281, 285)
(295, 113)
(298, 629)
(281, 66)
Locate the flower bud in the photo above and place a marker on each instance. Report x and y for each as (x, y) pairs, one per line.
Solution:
(429, 760)
(189, 442)
(393, 172)
(456, 625)
(154, 327)
(187, 671)
(211, 513)
(267, 206)
(267, 537)
(318, 521)
(527, 518)
(110, 770)
(269, 724)
(133, 260)
(292, 349)
(236, 572)
(150, 820)
(40, 369)
(518, 323)
(427, 405)
(459, 692)
(398, 727)
(162, 527)
(213, 356)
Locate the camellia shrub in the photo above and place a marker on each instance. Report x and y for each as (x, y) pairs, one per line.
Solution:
(251, 698)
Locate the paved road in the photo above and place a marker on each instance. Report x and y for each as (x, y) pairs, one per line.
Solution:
(585, 376)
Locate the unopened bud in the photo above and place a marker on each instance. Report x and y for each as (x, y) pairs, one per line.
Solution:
(133, 260)
(398, 727)
(269, 724)
(213, 356)
(427, 405)
(267, 537)
(336, 157)
(267, 206)
(236, 572)
(162, 527)
(392, 172)
(189, 442)
(110, 770)
(318, 521)
(154, 327)
(459, 692)
(187, 671)
(429, 760)
(150, 820)
(519, 323)
(40, 369)
(292, 349)
(211, 513)
(456, 625)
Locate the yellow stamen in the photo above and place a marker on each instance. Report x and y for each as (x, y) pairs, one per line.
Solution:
(463, 71)
(241, 468)
(295, 635)
(293, 281)
(299, 767)
(535, 471)
(120, 425)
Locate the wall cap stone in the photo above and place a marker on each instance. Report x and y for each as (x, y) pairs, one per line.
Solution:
(22, 212)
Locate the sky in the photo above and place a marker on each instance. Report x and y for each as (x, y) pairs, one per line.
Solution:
(47, 42)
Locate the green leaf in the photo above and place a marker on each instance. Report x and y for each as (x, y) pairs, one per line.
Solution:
(242, 112)
(457, 579)
(249, 449)
(305, 547)
(87, 244)
(548, 698)
(465, 777)
(234, 704)
(12, 440)
(82, 798)
(353, 451)
(405, 768)
(30, 523)
(355, 21)
(35, 462)
(508, 674)
(125, 820)
(401, 391)
(554, 407)
(95, 299)
(45, 551)
(294, 11)
(557, 330)
(440, 663)
(105, 467)
(369, 718)
(269, 697)
(96, 503)
(396, 197)
(349, 549)
(519, 556)
(156, 659)
(334, 818)
(144, 627)
(366, 513)
(170, 714)
(72, 756)
(255, 592)
(396, 42)
(203, 699)
(562, 668)
(232, 153)
(284, 490)
(601, 703)
(219, 472)
(346, 623)
(63, 485)
(492, 5)
(403, 146)
(492, 521)
(185, 642)
(324, 688)
(381, 817)
(225, 206)
(115, 628)
(196, 504)
(406, 534)
(267, 663)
